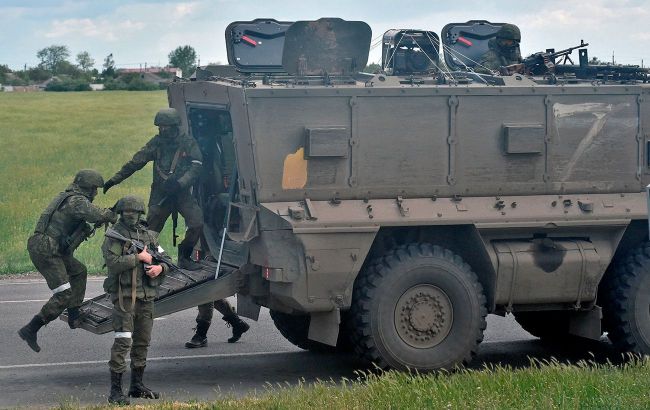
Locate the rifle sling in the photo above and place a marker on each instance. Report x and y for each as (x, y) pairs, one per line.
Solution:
(172, 167)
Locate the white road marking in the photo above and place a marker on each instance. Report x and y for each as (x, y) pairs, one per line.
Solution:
(10, 282)
(29, 300)
(149, 359)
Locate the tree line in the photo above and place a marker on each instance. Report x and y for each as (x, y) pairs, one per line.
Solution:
(54, 63)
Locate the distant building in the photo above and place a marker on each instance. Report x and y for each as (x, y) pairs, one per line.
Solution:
(152, 70)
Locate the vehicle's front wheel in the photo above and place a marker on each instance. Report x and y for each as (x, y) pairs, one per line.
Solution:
(421, 307)
(625, 298)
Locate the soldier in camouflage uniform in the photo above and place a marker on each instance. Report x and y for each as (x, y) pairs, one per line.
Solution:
(503, 50)
(60, 229)
(216, 181)
(132, 288)
(177, 163)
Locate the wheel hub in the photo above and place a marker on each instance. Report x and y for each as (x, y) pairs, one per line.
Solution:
(423, 316)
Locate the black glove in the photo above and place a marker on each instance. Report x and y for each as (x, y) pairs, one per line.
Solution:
(171, 186)
(112, 218)
(107, 185)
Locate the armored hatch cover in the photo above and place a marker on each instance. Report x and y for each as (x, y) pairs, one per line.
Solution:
(409, 51)
(329, 46)
(465, 43)
(256, 46)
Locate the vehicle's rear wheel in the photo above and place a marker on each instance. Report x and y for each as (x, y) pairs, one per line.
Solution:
(295, 329)
(547, 325)
(418, 307)
(625, 298)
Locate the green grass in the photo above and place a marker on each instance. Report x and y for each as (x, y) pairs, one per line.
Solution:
(46, 137)
(550, 385)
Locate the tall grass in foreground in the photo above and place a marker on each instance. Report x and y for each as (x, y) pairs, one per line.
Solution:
(46, 137)
(547, 385)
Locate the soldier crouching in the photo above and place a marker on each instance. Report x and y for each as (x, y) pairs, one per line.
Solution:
(133, 281)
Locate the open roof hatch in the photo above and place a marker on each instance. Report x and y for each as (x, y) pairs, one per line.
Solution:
(328, 46)
(410, 52)
(256, 46)
(465, 43)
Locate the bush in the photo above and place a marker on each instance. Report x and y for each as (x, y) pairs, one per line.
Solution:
(130, 84)
(68, 85)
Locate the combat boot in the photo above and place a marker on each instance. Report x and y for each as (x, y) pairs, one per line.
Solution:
(184, 259)
(200, 338)
(75, 317)
(29, 331)
(117, 395)
(239, 327)
(138, 389)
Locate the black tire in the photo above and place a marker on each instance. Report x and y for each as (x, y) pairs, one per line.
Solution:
(418, 307)
(295, 329)
(625, 298)
(547, 325)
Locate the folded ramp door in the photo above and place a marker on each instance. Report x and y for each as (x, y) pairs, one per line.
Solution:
(181, 289)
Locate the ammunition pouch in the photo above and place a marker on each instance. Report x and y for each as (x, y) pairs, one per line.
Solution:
(68, 243)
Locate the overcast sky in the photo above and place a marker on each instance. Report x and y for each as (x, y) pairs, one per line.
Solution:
(145, 31)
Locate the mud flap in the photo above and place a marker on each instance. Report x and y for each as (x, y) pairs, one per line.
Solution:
(324, 327)
(587, 323)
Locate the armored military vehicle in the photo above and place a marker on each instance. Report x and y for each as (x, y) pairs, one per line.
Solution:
(390, 213)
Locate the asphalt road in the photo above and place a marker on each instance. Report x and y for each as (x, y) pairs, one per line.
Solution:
(72, 365)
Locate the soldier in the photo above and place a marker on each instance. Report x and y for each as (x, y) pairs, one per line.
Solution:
(503, 50)
(59, 231)
(177, 163)
(133, 289)
(204, 319)
(215, 180)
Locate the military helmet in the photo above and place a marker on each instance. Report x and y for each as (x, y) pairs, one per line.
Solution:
(89, 178)
(130, 203)
(509, 32)
(167, 116)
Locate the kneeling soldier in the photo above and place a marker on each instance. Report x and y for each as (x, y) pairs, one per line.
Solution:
(133, 279)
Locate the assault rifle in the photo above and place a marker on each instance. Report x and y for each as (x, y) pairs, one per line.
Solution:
(136, 246)
(541, 62)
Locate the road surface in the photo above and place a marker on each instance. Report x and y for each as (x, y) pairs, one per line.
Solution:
(72, 365)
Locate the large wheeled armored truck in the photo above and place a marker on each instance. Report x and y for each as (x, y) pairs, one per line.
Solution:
(391, 212)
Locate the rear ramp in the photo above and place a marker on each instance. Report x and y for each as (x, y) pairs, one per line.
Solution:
(181, 289)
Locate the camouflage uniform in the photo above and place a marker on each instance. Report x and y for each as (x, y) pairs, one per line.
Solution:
(500, 55)
(177, 163)
(133, 304)
(215, 183)
(52, 245)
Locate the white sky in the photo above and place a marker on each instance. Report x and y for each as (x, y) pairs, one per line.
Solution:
(145, 31)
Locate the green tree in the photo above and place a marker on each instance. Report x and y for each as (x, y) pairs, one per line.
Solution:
(372, 68)
(84, 61)
(51, 57)
(596, 61)
(184, 58)
(4, 70)
(38, 74)
(109, 67)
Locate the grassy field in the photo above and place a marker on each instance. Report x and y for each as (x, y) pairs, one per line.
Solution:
(46, 137)
(540, 386)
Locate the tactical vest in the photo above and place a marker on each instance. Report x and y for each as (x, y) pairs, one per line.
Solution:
(55, 224)
(121, 281)
(171, 158)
